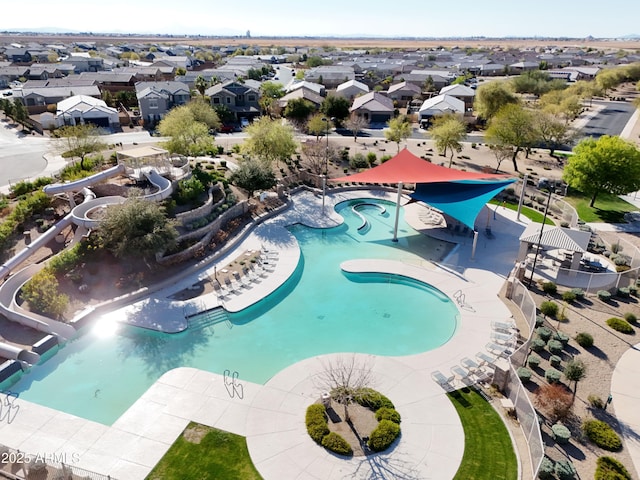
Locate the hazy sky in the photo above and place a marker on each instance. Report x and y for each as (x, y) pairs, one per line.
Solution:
(419, 18)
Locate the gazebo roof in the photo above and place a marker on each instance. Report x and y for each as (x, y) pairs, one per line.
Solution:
(557, 237)
(457, 193)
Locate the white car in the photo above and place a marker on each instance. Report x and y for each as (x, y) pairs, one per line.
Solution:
(244, 122)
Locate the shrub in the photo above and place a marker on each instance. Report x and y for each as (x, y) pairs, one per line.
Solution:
(386, 413)
(552, 375)
(316, 421)
(43, 295)
(537, 345)
(620, 325)
(554, 400)
(383, 435)
(624, 292)
(608, 468)
(549, 309)
(524, 374)
(560, 433)
(565, 470)
(602, 435)
(534, 361)
(546, 470)
(554, 346)
(544, 333)
(604, 295)
(555, 361)
(334, 442)
(569, 296)
(595, 401)
(539, 321)
(561, 337)
(550, 288)
(372, 399)
(578, 292)
(630, 317)
(358, 161)
(372, 158)
(584, 339)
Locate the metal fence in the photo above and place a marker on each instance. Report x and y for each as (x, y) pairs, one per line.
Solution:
(514, 389)
(19, 465)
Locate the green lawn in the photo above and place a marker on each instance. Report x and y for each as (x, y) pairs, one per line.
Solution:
(608, 208)
(530, 213)
(209, 454)
(488, 451)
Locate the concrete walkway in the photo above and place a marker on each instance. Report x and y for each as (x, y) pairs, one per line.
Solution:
(271, 416)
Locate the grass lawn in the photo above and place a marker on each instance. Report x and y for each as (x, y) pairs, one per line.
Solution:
(530, 213)
(488, 451)
(203, 453)
(608, 208)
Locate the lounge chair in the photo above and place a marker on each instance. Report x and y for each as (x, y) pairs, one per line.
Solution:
(504, 339)
(482, 375)
(506, 327)
(485, 359)
(466, 362)
(461, 372)
(499, 350)
(441, 378)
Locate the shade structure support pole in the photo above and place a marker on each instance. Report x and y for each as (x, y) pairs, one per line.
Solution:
(475, 244)
(524, 186)
(395, 226)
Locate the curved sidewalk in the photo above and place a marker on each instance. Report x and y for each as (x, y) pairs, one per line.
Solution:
(625, 390)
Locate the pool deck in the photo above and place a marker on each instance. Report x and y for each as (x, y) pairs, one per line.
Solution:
(271, 416)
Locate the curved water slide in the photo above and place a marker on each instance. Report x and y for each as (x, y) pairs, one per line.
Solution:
(78, 185)
(24, 356)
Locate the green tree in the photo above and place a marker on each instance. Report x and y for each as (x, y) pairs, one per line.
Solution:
(187, 136)
(398, 131)
(336, 107)
(315, 61)
(79, 141)
(225, 114)
(107, 97)
(269, 140)
(608, 164)
(203, 112)
(552, 131)
(447, 132)
(513, 126)
(491, 97)
(252, 175)
(43, 295)
(137, 228)
(270, 92)
(201, 84)
(298, 111)
(574, 371)
(20, 113)
(607, 79)
(319, 125)
(536, 82)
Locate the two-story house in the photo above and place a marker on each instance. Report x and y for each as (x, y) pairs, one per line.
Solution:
(240, 99)
(83, 62)
(157, 98)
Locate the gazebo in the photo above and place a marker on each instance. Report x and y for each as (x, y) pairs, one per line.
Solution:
(457, 193)
(575, 242)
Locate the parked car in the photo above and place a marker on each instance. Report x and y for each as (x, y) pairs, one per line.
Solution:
(226, 129)
(244, 122)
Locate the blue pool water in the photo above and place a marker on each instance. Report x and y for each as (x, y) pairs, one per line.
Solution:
(319, 310)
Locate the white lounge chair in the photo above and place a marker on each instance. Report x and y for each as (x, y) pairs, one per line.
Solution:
(499, 350)
(459, 371)
(441, 378)
(505, 327)
(485, 358)
(504, 339)
(466, 362)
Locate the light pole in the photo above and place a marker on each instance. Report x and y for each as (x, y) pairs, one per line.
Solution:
(326, 162)
(535, 258)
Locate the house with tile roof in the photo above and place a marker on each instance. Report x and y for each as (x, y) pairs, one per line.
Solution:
(373, 107)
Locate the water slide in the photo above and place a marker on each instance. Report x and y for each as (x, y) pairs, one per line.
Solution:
(25, 357)
(78, 185)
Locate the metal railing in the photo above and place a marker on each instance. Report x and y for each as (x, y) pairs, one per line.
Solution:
(514, 389)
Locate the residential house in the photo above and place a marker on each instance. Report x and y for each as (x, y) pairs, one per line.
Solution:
(12, 73)
(521, 67)
(142, 74)
(240, 99)
(439, 105)
(157, 98)
(114, 81)
(81, 109)
(491, 70)
(315, 87)
(18, 55)
(374, 107)
(83, 62)
(214, 75)
(40, 99)
(303, 93)
(461, 92)
(351, 89)
(403, 93)
(43, 72)
(438, 78)
(330, 75)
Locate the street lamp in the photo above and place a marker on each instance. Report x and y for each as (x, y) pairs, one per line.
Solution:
(326, 161)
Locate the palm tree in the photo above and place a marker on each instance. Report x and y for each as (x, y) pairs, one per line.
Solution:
(201, 84)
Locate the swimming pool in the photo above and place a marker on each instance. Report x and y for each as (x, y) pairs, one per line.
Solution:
(319, 310)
